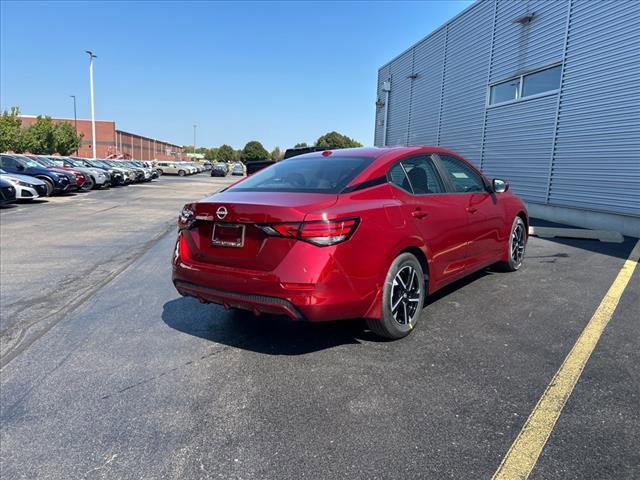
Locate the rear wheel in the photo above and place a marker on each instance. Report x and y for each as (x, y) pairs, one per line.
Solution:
(517, 245)
(403, 297)
(49, 185)
(181, 173)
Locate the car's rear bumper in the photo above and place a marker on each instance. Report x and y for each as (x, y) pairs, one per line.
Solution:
(256, 303)
(326, 292)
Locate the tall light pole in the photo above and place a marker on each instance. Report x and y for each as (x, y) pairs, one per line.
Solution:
(93, 107)
(194, 141)
(75, 117)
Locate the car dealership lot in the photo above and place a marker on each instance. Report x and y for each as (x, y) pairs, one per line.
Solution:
(108, 373)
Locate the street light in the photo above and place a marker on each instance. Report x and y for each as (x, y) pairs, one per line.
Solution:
(93, 107)
(75, 117)
(194, 141)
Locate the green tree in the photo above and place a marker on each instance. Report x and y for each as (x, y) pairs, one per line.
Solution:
(254, 151)
(226, 153)
(211, 154)
(66, 139)
(333, 140)
(301, 145)
(39, 138)
(10, 131)
(276, 154)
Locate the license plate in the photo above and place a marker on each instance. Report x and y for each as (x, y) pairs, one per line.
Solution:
(227, 235)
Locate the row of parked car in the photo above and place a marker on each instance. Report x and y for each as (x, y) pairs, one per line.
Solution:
(182, 168)
(28, 177)
(222, 169)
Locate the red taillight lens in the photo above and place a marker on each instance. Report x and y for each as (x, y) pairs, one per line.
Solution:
(187, 217)
(322, 233)
(287, 229)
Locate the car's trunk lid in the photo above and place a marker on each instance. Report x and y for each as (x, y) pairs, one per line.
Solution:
(259, 251)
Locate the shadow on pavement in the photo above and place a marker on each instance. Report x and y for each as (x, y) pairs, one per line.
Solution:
(268, 334)
(277, 335)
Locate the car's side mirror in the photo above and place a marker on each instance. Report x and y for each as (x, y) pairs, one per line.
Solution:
(499, 186)
(20, 167)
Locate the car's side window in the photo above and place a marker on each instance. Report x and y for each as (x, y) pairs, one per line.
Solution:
(8, 162)
(464, 178)
(423, 176)
(398, 177)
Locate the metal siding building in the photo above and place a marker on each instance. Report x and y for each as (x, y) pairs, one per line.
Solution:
(571, 151)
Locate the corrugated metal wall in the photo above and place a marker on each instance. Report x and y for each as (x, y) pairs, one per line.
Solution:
(426, 94)
(465, 81)
(552, 148)
(383, 76)
(518, 145)
(399, 99)
(596, 162)
(517, 47)
(518, 136)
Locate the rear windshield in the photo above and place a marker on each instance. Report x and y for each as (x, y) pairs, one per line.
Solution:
(305, 174)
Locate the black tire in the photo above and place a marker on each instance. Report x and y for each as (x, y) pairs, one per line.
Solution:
(402, 298)
(89, 184)
(516, 246)
(49, 183)
(181, 173)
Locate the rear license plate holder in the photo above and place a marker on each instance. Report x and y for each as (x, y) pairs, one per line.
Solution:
(228, 235)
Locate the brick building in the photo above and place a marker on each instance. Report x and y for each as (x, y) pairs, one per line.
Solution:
(110, 141)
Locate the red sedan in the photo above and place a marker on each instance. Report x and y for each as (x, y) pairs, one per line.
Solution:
(355, 233)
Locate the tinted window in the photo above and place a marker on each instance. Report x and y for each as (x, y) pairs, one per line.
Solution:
(305, 174)
(464, 178)
(505, 91)
(423, 176)
(541, 82)
(399, 178)
(8, 162)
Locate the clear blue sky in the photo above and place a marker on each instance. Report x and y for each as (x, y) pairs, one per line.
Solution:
(279, 72)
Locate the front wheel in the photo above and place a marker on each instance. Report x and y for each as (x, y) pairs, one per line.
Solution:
(403, 298)
(181, 173)
(517, 245)
(87, 185)
(48, 183)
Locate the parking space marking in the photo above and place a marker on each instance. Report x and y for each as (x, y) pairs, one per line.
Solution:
(525, 450)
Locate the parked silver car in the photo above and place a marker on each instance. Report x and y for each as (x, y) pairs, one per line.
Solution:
(27, 187)
(100, 178)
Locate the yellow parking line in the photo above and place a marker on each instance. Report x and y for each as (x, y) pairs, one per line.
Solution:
(523, 454)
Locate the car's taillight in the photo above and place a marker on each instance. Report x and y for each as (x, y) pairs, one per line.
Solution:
(322, 233)
(187, 217)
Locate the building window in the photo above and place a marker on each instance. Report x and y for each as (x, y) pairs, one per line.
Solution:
(505, 91)
(541, 82)
(527, 85)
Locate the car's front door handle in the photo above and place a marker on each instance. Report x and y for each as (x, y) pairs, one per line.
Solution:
(419, 214)
(472, 209)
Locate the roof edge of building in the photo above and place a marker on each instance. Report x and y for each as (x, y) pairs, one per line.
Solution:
(433, 32)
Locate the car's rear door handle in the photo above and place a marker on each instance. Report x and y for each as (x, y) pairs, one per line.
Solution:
(419, 214)
(472, 209)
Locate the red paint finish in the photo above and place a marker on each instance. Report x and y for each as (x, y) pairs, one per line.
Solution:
(279, 270)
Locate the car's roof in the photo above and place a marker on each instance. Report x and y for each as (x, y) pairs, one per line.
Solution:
(375, 152)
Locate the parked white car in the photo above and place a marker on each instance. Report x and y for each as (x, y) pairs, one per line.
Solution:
(174, 168)
(27, 188)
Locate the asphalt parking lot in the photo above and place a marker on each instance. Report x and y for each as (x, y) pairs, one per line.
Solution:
(108, 373)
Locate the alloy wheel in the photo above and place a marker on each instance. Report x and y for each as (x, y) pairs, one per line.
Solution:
(517, 243)
(405, 295)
